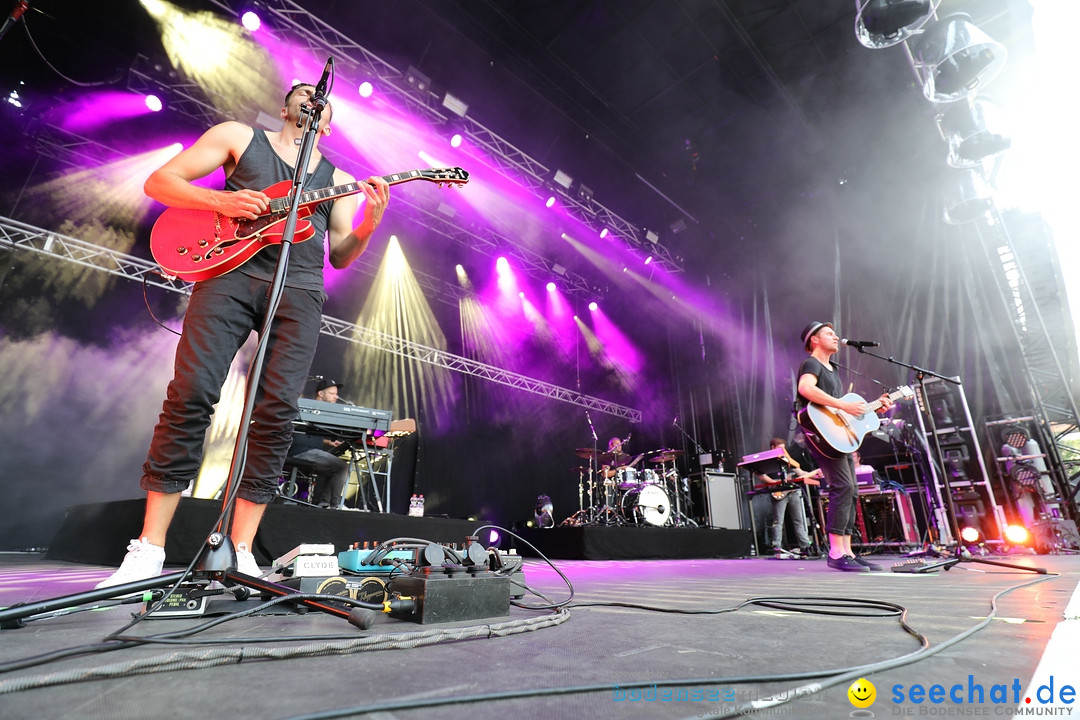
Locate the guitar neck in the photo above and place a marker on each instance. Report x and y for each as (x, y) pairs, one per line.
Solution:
(332, 193)
(893, 397)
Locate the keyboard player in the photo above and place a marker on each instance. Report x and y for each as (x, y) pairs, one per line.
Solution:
(786, 500)
(331, 471)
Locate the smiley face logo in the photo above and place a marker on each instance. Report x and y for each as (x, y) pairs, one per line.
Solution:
(862, 693)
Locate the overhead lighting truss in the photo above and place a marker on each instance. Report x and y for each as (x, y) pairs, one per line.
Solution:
(16, 235)
(321, 39)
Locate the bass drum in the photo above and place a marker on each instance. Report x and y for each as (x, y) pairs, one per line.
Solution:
(647, 505)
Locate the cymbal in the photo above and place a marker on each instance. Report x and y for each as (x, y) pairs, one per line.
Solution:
(585, 452)
(665, 455)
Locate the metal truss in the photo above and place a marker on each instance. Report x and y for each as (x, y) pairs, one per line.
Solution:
(1054, 405)
(17, 235)
(433, 356)
(320, 37)
(185, 97)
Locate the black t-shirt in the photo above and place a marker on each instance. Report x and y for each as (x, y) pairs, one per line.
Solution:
(827, 379)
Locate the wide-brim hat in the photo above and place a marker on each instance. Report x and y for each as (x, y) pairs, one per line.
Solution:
(810, 330)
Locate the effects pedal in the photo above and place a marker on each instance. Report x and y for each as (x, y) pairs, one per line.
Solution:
(307, 560)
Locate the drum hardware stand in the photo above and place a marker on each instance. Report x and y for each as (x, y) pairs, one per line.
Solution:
(217, 559)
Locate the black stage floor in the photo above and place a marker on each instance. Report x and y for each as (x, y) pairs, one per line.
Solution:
(603, 657)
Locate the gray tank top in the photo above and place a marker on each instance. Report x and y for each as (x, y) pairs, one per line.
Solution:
(260, 167)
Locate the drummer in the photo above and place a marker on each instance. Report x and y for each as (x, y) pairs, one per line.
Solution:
(617, 456)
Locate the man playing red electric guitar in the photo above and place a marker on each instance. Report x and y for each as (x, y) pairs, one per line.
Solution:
(225, 309)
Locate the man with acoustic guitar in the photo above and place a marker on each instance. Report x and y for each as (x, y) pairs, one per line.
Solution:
(820, 386)
(226, 308)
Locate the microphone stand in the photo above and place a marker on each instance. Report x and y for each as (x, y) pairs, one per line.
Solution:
(680, 518)
(217, 560)
(960, 554)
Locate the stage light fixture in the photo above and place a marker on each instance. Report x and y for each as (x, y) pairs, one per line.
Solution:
(551, 287)
(365, 89)
(648, 260)
(562, 179)
(251, 21)
(455, 105)
(971, 127)
(604, 233)
(652, 236)
(593, 306)
(455, 140)
(884, 23)
(970, 535)
(153, 103)
(550, 202)
(1024, 474)
(1017, 535)
(585, 194)
(1015, 436)
(558, 269)
(417, 80)
(954, 56)
(968, 198)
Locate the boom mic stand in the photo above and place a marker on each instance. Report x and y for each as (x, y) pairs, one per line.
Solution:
(959, 553)
(217, 560)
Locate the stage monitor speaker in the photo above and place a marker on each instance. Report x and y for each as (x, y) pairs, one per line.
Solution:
(724, 500)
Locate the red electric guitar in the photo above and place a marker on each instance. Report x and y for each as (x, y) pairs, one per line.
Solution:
(200, 244)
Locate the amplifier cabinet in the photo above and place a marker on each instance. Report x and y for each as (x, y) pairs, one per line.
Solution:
(888, 516)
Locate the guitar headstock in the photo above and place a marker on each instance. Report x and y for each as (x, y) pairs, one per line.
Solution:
(446, 176)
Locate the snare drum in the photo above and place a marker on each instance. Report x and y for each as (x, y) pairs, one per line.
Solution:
(647, 504)
(627, 478)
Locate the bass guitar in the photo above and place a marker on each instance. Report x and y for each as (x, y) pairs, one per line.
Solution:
(197, 245)
(835, 433)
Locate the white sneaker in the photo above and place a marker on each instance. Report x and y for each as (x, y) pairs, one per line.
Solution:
(142, 561)
(245, 561)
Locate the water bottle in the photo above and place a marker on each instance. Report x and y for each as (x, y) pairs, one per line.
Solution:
(420, 506)
(414, 506)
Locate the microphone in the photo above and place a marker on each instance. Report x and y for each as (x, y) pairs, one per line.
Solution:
(320, 90)
(859, 343)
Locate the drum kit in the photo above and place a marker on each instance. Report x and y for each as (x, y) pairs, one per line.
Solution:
(614, 490)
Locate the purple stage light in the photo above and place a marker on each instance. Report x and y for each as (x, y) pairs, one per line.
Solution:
(648, 260)
(251, 21)
(366, 89)
(551, 287)
(455, 140)
(493, 537)
(550, 202)
(153, 103)
(604, 233)
(593, 306)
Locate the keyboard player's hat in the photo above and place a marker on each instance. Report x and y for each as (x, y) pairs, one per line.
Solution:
(327, 382)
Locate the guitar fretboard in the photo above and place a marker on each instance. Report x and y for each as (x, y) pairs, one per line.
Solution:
(455, 176)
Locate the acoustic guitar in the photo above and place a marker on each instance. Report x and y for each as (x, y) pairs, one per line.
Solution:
(835, 433)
